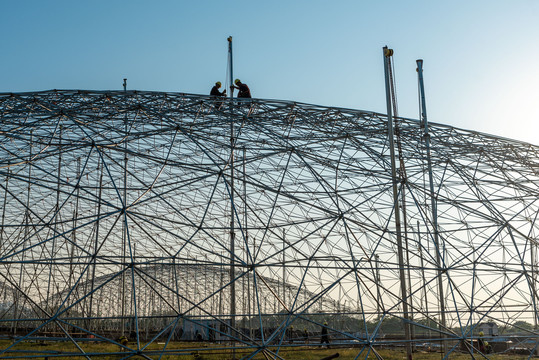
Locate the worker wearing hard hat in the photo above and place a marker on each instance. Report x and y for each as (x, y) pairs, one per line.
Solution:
(244, 91)
(481, 342)
(123, 340)
(215, 90)
(324, 337)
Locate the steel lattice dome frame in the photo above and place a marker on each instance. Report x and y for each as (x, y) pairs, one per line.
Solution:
(162, 215)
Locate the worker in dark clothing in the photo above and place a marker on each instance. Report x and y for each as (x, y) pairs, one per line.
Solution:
(481, 342)
(215, 90)
(244, 91)
(123, 340)
(324, 337)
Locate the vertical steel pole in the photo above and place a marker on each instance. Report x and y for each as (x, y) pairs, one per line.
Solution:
(284, 268)
(231, 68)
(532, 269)
(378, 294)
(439, 249)
(52, 268)
(420, 251)
(2, 231)
(74, 233)
(232, 233)
(245, 282)
(125, 84)
(16, 317)
(124, 232)
(387, 55)
(99, 170)
(2, 227)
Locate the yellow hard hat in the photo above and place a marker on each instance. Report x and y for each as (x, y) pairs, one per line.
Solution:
(218, 83)
(481, 333)
(237, 81)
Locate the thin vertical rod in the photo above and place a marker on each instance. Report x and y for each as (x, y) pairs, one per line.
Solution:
(284, 267)
(96, 240)
(124, 231)
(439, 250)
(402, 180)
(26, 231)
(74, 233)
(4, 210)
(378, 294)
(533, 253)
(232, 233)
(231, 68)
(2, 231)
(387, 54)
(247, 257)
(52, 268)
(424, 286)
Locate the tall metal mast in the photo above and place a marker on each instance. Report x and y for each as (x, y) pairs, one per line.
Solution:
(230, 68)
(403, 179)
(406, 323)
(232, 233)
(439, 250)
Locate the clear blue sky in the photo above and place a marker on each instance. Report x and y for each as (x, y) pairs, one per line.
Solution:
(481, 58)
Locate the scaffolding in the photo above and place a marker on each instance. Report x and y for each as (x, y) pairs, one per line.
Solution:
(160, 216)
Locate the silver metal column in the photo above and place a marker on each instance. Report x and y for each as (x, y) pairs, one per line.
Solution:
(439, 249)
(387, 54)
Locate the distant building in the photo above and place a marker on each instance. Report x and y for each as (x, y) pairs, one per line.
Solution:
(488, 328)
(205, 328)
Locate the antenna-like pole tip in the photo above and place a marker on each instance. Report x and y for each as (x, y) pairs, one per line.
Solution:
(419, 63)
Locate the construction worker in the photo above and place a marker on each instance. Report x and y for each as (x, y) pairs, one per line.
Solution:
(215, 90)
(324, 337)
(488, 347)
(123, 340)
(244, 91)
(481, 342)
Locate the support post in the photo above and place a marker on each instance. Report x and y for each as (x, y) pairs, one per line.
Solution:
(232, 233)
(99, 170)
(231, 68)
(123, 260)
(439, 249)
(406, 322)
(378, 284)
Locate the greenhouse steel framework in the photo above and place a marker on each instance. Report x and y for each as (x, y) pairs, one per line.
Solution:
(168, 223)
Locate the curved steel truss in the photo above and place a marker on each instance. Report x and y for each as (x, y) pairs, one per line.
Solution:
(252, 225)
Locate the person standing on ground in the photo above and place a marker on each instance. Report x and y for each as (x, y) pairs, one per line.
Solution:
(481, 342)
(244, 91)
(324, 337)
